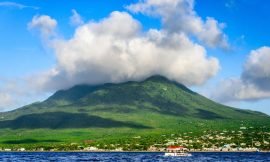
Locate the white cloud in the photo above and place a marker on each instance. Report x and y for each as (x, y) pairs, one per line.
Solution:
(45, 24)
(257, 68)
(5, 101)
(254, 81)
(18, 92)
(235, 89)
(116, 50)
(76, 18)
(179, 16)
(16, 5)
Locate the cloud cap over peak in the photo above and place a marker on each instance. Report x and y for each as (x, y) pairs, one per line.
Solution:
(115, 49)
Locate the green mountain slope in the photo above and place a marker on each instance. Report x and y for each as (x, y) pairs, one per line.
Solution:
(155, 95)
(111, 111)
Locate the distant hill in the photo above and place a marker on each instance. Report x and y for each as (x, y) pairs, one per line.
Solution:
(153, 106)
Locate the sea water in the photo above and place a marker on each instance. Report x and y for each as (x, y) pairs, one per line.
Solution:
(130, 156)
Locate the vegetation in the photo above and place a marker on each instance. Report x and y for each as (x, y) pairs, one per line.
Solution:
(131, 115)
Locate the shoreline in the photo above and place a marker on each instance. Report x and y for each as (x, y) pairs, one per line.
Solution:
(131, 151)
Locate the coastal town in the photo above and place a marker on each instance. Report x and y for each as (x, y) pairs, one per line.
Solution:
(246, 139)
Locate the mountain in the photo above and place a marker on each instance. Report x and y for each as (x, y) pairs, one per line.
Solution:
(153, 106)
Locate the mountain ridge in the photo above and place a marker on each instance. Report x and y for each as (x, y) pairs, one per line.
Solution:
(78, 91)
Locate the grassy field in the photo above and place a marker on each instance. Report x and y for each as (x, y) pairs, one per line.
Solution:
(45, 137)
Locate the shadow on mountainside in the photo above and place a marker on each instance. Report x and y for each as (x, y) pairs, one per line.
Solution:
(62, 120)
(204, 114)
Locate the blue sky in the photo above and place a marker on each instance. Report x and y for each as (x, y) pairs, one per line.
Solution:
(24, 53)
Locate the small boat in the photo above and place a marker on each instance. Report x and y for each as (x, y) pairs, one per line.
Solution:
(177, 151)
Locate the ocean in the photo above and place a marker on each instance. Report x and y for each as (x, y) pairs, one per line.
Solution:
(131, 156)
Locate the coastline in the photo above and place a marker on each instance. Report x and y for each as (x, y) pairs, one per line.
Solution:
(79, 151)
